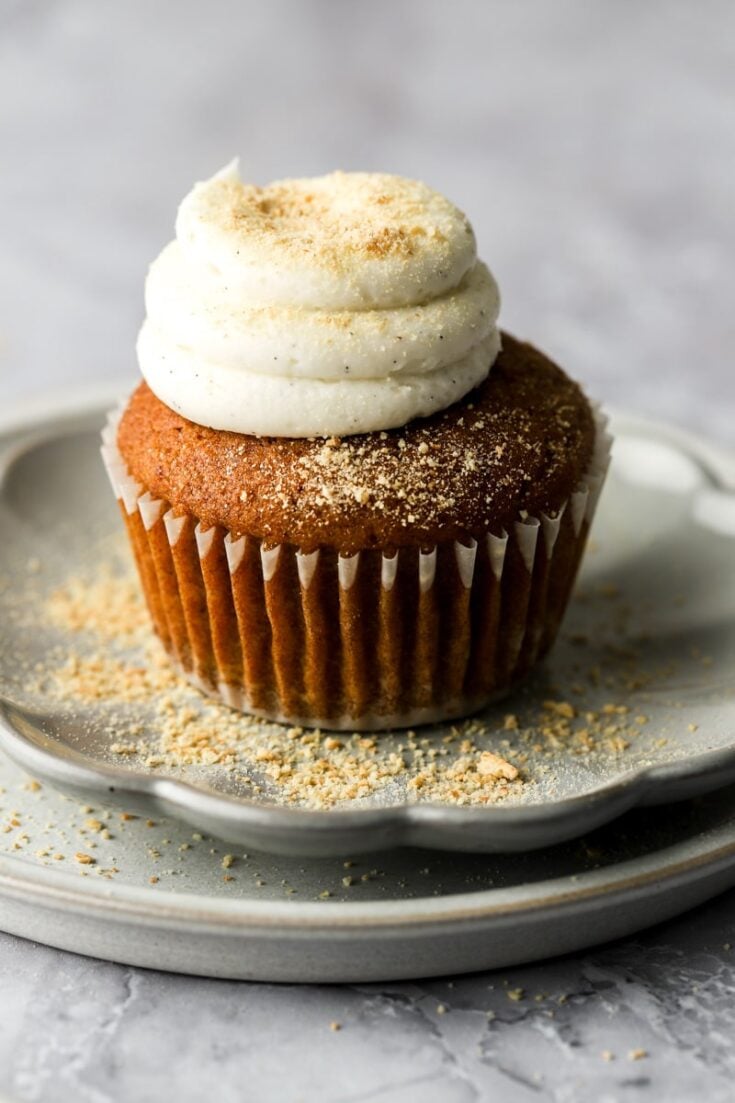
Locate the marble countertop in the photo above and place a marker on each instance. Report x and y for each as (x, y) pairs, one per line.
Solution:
(92, 1032)
(593, 147)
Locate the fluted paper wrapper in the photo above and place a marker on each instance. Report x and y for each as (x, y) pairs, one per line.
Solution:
(364, 642)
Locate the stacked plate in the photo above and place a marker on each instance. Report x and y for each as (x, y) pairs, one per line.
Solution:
(345, 894)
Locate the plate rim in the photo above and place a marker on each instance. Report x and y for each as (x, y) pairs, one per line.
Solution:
(30, 755)
(701, 853)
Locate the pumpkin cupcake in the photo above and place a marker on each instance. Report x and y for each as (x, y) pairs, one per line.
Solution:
(352, 503)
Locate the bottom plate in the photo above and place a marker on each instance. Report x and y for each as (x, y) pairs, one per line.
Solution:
(153, 894)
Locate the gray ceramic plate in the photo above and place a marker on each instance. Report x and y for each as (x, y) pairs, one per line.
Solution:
(407, 913)
(653, 626)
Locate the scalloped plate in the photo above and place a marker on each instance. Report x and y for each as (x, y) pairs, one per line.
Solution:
(650, 637)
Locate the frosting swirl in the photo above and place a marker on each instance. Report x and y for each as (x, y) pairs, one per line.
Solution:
(330, 306)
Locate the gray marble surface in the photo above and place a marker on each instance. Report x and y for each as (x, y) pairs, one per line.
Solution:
(593, 147)
(90, 1032)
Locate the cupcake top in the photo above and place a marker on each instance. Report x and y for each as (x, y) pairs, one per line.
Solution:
(338, 305)
(521, 441)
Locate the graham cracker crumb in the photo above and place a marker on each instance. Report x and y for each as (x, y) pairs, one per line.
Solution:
(493, 766)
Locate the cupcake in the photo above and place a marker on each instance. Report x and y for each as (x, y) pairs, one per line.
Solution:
(353, 502)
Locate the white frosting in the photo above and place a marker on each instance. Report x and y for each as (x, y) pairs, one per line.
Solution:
(337, 305)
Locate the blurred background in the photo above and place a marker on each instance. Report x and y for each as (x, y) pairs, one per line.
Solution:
(591, 144)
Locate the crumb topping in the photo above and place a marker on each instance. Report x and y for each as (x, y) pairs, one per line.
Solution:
(520, 441)
(335, 218)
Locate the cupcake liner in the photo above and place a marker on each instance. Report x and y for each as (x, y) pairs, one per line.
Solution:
(367, 641)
